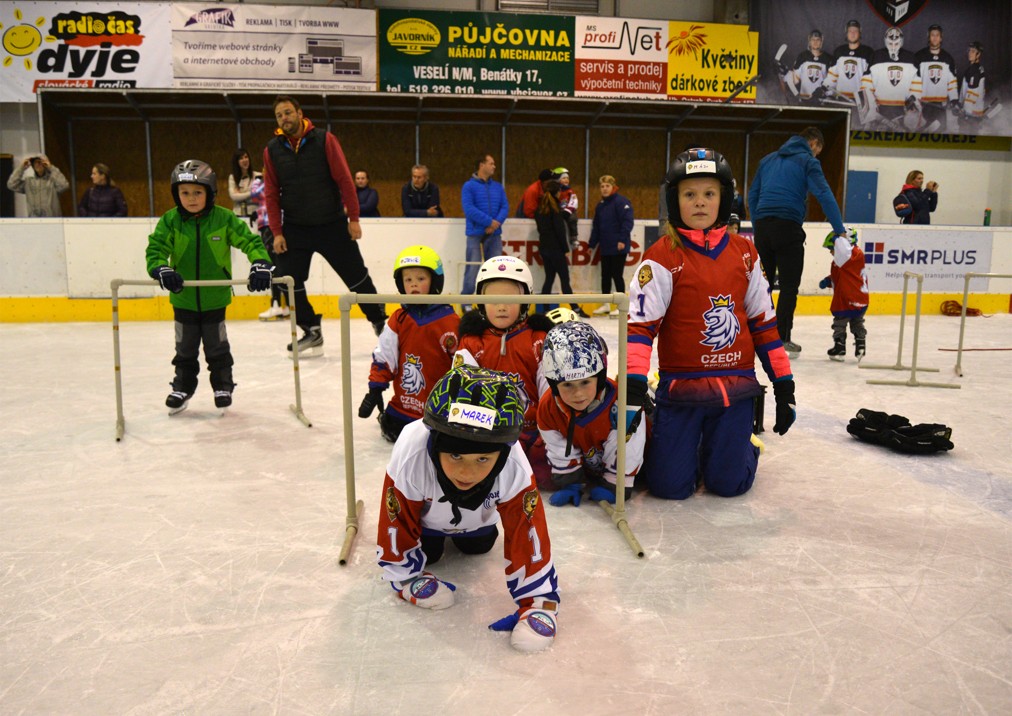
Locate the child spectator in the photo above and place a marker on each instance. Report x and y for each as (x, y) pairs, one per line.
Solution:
(279, 309)
(700, 292)
(612, 231)
(570, 204)
(193, 242)
(416, 346)
(502, 337)
(849, 280)
(577, 417)
(456, 473)
(734, 224)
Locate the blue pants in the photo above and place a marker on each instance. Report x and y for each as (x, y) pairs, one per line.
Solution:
(479, 248)
(690, 442)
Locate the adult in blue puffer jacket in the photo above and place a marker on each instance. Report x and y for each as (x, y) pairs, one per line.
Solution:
(612, 231)
(485, 208)
(777, 200)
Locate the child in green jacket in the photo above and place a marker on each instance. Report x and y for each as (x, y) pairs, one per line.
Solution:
(194, 242)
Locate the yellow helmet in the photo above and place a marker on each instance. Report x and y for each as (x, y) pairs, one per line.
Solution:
(419, 257)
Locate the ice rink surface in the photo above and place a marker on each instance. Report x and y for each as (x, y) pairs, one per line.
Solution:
(192, 567)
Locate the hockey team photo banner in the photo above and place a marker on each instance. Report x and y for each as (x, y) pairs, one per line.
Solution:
(432, 52)
(83, 46)
(274, 47)
(919, 66)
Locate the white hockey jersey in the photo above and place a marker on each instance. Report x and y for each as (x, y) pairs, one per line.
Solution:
(845, 76)
(938, 84)
(972, 91)
(810, 72)
(889, 84)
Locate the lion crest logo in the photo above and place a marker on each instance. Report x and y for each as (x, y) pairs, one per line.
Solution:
(392, 504)
(412, 379)
(530, 503)
(722, 325)
(645, 276)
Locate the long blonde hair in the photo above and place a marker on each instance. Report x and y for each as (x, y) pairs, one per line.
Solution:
(671, 234)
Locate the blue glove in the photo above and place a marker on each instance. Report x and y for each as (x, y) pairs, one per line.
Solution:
(506, 623)
(606, 491)
(570, 493)
(169, 279)
(260, 274)
(826, 283)
(783, 392)
(635, 398)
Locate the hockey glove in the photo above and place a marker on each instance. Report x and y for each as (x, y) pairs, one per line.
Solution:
(533, 627)
(606, 491)
(826, 283)
(372, 399)
(636, 398)
(426, 591)
(783, 391)
(260, 274)
(873, 426)
(169, 279)
(572, 493)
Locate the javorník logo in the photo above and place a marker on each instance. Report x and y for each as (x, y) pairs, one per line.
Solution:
(722, 325)
(412, 379)
(212, 18)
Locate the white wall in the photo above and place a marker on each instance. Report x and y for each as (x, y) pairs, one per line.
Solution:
(968, 182)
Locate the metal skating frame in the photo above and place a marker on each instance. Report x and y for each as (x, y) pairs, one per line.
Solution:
(962, 314)
(912, 380)
(287, 281)
(616, 512)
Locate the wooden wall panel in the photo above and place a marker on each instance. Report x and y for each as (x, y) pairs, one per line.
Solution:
(120, 145)
(531, 149)
(387, 153)
(636, 162)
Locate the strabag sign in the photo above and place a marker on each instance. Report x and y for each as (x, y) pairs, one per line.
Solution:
(83, 46)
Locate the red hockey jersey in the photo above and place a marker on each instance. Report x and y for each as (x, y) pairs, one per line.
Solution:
(411, 503)
(415, 350)
(850, 280)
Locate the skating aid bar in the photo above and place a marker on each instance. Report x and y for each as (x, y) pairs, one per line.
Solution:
(346, 301)
(962, 314)
(287, 281)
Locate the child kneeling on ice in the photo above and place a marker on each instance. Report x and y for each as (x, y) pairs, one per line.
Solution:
(457, 473)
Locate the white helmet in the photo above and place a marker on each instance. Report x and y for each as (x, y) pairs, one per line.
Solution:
(508, 268)
(894, 42)
(574, 351)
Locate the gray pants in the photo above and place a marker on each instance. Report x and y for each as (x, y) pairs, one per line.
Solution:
(193, 328)
(856, 324)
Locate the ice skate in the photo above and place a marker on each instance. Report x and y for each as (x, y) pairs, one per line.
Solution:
(603, 310)
(793, 349)
(859, 348)
(838, 351)
(177, 401)
(613, 313)
(578, 310)
(275, 313)
(311, 343)
(223, 400)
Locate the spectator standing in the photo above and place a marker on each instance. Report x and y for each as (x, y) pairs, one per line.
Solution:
(553, 242)
(368, 198)
(612, 231)
(306, 176)
(240, 180)
(420, 197)
(777, 201)
(532, 195)
(570, 204)
(485, 210)
(103, 197)
(40, 186)
(915, 202)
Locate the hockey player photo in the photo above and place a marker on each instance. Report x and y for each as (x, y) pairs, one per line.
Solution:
(892, 88)
(852, 61)
(939, 85)
(459, 473)
(810, 69)
(972, 87)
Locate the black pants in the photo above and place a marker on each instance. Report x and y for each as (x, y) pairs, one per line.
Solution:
(555, 265)
(333, 243)
(611, 271)
(781, 246)
(192, 328)
(268, 238)
(481, 543)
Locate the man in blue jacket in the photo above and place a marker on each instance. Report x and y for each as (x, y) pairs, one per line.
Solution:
(485, 208)
(777, 200)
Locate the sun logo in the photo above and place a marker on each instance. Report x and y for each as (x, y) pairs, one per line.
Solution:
(22, 39)
(687, 41)
(722, 325)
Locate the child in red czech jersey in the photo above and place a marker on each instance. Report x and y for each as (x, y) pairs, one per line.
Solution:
(415, 347)
(849, 280)
(578, 417)
(700, 292)
(503, 337)
(458, 473)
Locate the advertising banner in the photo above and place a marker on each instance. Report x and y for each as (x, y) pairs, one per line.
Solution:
(83, 45)
(431, 52)
(917, 66)
(621, 58)
(943, 257)
(281, 47)
(709, 62)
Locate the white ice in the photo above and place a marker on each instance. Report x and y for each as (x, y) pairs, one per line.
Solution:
(192, 567)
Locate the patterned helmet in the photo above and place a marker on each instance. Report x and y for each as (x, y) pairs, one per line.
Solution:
(509, 268)
(699, 163)
(420, 257)
(574, 351)
(562, 315)
(194, 171)
(830, 241)
(476, 404)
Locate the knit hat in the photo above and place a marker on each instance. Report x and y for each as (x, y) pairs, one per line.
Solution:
(546, 174)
